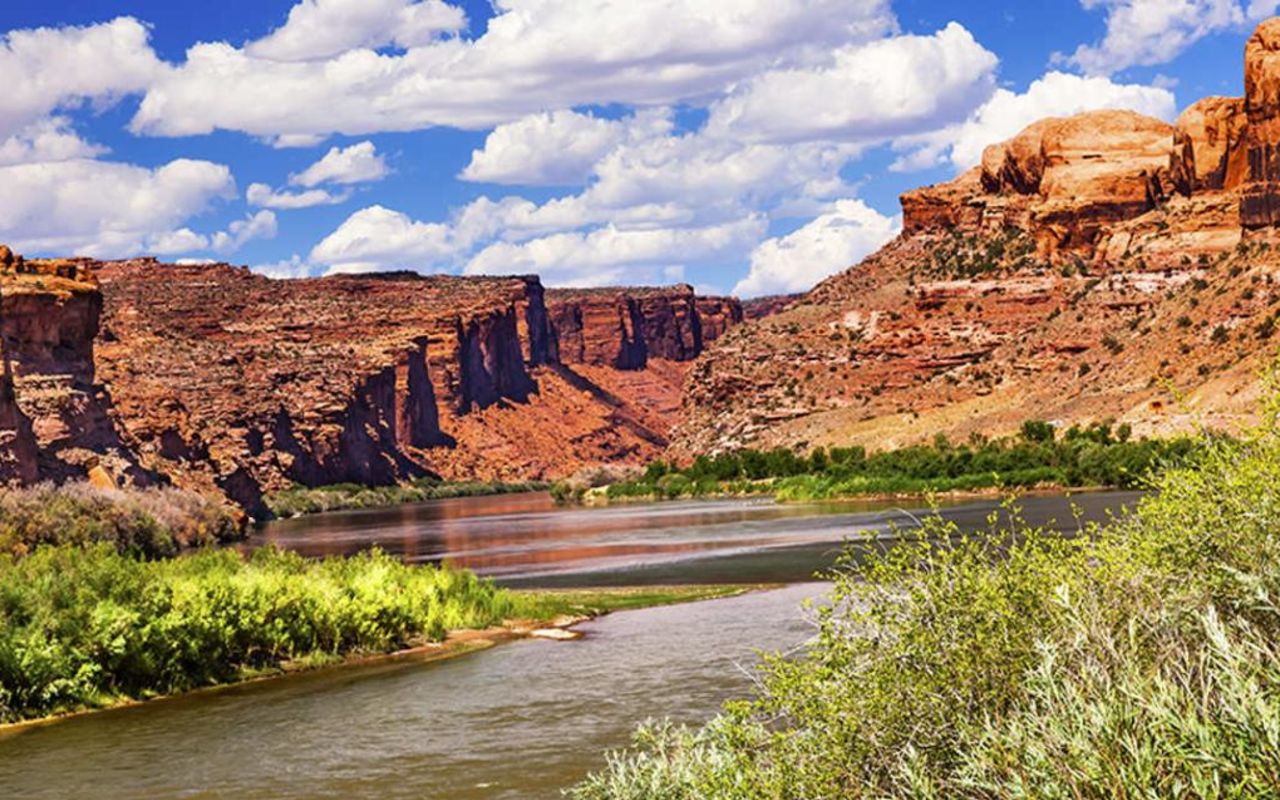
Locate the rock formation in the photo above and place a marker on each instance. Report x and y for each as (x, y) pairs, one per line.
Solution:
(624, 327)
(1083, 268)
(49, 401)
(230, 383)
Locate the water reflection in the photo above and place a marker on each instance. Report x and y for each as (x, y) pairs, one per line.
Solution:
(526, 539)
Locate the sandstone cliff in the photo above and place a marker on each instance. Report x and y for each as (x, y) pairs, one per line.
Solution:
(625, 327)
(225, 381)
(1103, 266)
(55, 421)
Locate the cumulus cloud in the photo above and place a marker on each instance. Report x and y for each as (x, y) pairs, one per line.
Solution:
(1056, 94)
(48, 139)
(263, 196)
(319, 29)
(531, 57)
(45, 69)
(359, 163)
(834, 241)
(261, 225)
(867, 91)
(1148, 32)
(378, 238)
(558, 148)
(609, 255)
(239, 233)
(104, 209)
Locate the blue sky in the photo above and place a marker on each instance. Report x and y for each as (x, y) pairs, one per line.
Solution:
(753, 146)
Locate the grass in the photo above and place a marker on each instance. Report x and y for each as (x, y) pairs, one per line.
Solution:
(301, 500)
(548, 604)
(1139, 659)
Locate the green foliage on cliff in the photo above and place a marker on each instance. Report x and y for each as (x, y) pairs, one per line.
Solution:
(1099, 455)
(84, 627)
(302, 500)
(1140, 659)
(146, 522)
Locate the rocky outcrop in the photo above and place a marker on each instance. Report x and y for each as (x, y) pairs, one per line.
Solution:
(717, 315)
(49, 316)
(1260, 203)
(1084, 268)
(1062, 181)
(1209, 152)
(624, 328)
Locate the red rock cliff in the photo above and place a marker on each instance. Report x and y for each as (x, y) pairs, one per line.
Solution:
(624, 327)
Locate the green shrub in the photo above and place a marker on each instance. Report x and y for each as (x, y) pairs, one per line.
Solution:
(80, 627)
(146, 522)
(1139, 659)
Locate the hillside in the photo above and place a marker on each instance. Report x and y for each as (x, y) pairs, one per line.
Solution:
(1103, 266)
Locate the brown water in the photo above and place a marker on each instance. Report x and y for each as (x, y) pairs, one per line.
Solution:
(521, 720)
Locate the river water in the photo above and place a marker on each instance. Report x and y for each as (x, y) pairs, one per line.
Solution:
(521, 720)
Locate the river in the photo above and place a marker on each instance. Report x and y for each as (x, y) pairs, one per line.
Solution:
(521, 720)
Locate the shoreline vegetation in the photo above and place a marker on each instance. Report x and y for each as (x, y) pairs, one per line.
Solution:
(1100, 456)
(90, 624)
(303, 501)
(1139, 659)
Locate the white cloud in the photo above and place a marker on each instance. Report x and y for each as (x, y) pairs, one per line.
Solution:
(319, 29)
(261, 225)
(293, 267)
(98, 208)
(831, 243)
(868, 91)
(263, 196)
(1149, 32)
(45, 69)
(558, 148)
(48, 139)
(183, 240)
(534, 55)
(377, 238)
(1057, 94)
(610, 256)
(359, 163)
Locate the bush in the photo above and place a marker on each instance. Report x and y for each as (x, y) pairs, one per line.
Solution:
(1092, 456)
(1139, 659)
(146, 522)
(80, 627)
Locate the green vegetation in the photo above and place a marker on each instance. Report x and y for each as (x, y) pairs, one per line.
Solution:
(547, 604)
(148, 522)
(1095, 456)
(83, 627)
(301, 500)
(1140, 659)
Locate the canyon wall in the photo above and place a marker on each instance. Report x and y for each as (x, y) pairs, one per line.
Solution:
(1106, 266)
(230, 383)
(625, 327)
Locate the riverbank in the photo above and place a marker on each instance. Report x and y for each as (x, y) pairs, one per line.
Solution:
(1096, 458)
(305, 501)
(549, 614)
(1136, 660)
